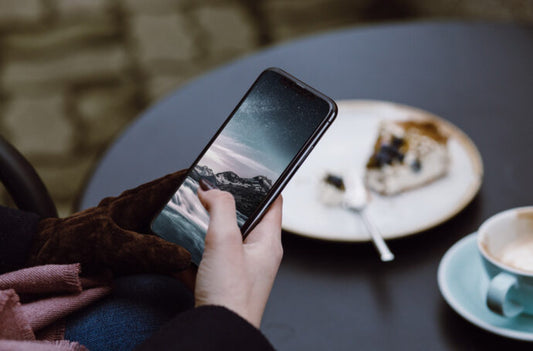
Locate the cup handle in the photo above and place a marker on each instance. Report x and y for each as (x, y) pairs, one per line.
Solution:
(497, 295)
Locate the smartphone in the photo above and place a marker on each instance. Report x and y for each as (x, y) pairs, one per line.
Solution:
(253, 155)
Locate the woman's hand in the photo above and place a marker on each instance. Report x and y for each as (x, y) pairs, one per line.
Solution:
(235, 274)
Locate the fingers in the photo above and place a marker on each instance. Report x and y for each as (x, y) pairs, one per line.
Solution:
(234, 274)
(223, 228)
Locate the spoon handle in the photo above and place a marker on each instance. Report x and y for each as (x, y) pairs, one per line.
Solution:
(377, 239)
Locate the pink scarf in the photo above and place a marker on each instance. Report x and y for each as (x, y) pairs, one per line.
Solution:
(48, 294)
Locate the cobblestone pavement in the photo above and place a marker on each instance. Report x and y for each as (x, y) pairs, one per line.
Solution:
(74, 73)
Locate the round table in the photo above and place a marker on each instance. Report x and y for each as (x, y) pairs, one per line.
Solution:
(338, 296)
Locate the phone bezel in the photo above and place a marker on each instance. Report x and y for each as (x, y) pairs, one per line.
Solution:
(293, 166)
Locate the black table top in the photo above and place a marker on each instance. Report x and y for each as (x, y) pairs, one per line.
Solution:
(334, 296)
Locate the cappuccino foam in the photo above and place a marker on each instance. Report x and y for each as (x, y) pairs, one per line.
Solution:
(518, 254)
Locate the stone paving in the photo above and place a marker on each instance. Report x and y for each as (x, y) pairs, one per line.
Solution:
(74, 73)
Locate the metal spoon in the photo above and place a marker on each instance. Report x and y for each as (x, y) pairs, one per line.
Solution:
(356, 198)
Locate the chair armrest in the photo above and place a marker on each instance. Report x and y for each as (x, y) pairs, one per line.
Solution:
(23, 183)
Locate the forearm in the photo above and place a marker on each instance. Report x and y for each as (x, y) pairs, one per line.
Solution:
(207, 328)
(17, 231)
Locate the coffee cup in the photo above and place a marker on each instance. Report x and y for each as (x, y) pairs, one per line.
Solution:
(505, 242)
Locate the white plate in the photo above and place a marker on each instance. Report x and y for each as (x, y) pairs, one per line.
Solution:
(463, 283)
(346, 146)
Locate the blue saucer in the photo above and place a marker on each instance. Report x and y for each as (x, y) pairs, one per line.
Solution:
(463, 282)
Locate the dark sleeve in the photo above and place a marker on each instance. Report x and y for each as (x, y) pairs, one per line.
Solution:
(17, 229)
(207, 328)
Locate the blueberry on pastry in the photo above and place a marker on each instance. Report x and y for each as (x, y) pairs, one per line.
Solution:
(407, 154)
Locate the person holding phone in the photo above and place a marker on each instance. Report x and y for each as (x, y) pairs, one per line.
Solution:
(233, 234)
(232, 283)
(233, 276)
(253, 155)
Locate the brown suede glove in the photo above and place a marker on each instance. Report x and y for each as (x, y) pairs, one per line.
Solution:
(114, 235)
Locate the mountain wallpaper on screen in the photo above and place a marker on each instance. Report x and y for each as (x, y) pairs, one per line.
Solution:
(248, 192)
(246, 158)
(185, 213)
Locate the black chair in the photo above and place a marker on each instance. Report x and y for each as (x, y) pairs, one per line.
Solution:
(23, 183)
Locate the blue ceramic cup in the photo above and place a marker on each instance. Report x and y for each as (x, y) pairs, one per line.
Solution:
(505, 242)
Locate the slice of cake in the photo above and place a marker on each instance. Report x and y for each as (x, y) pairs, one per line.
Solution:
(407, 154)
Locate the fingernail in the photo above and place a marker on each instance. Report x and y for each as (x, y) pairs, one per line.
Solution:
(206, 185)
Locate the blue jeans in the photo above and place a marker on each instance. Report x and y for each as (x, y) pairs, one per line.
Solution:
(138, 306)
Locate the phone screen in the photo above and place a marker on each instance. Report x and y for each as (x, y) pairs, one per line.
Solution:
(254, 149)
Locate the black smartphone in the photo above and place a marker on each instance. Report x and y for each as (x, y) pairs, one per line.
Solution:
(253, 155)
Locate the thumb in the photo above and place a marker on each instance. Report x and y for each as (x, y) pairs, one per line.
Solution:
(223, 229)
